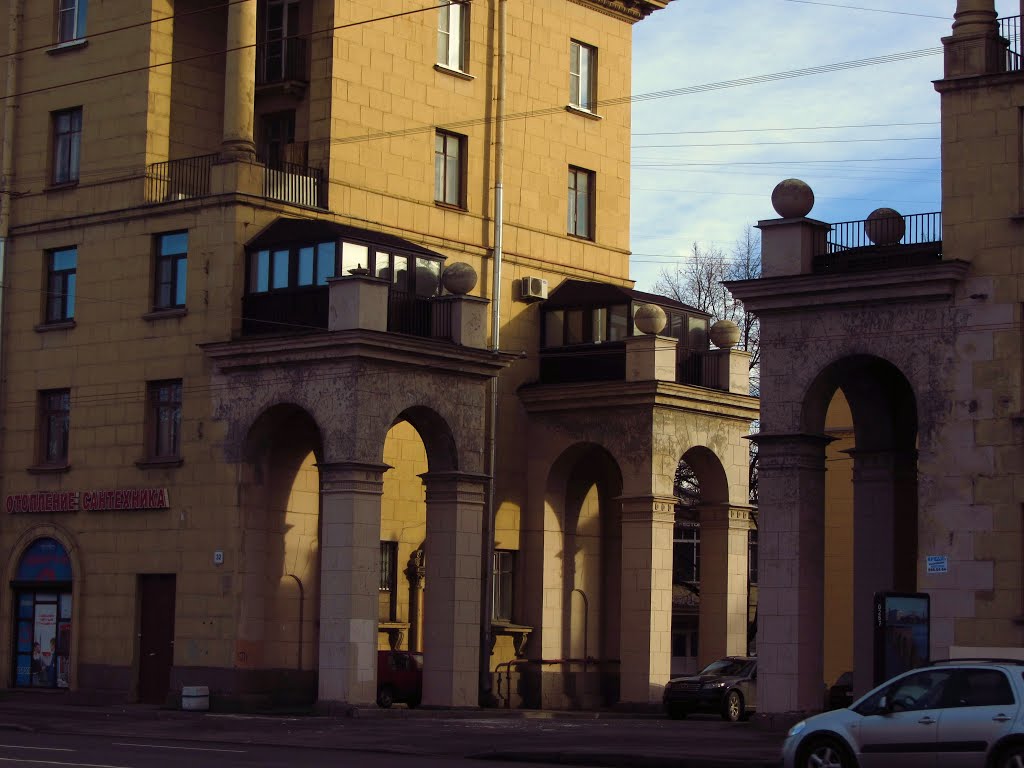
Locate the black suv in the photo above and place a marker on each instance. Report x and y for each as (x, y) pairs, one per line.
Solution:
(727, 686)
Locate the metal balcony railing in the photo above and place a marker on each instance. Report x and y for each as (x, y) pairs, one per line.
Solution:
(179, 179)
(1009, 30)
(296, 184)
(880, 243)
(698, 368)
(283, 60)
(418, 315)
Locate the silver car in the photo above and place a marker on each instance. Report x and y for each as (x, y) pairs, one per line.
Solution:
(956, 714)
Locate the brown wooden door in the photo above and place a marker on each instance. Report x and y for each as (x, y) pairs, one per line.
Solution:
(156, 636)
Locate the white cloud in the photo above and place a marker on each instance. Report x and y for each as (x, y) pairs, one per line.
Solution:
(698, 42)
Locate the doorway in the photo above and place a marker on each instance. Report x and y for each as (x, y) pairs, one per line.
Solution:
(156, 636)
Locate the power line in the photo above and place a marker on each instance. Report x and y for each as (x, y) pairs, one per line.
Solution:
(791, 128)
(787, 143)
(872, 10)
(127, 27)
(209, 54)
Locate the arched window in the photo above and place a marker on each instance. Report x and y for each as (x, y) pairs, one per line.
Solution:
(42, 615)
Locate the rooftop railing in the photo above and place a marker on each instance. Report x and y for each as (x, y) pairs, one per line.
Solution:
(1009, 30)
(880, 243)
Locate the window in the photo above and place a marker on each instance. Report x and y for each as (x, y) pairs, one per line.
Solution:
(67, 143)
(71, 20)
(388, 600)
(449, 150)
(54, 422)
(581, 193)
(982, 688)
(171, 270)
(61, 272)
(686, 554)
(582, 60)
(504, 576)
(452, 27)
(280, 52)
(164, 399)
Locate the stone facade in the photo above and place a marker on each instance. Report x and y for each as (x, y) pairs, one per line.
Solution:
(323, 468)
(922, 340)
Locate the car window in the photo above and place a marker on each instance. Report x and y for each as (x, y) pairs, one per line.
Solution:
(982, 688)
(916, 691)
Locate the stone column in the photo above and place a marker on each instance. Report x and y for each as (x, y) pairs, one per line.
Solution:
(724, 530)
(349, 581)
(791, 566)
(645, 625)
(880, 509)
(240, 83)
(975, 47)
(451, 625)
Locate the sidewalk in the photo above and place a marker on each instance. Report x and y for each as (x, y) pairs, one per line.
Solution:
(609, 739)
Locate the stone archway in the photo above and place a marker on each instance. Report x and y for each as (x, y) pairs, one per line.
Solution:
(280, 501)
(879, 543)
(581, 580)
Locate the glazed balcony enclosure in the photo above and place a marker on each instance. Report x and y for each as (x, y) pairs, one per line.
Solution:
(290, 264)
(585, 327)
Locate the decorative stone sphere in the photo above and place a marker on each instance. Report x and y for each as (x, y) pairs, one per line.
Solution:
(792, 199)
(885, 226)
(724, 334)
(459, 278)
(650, 319)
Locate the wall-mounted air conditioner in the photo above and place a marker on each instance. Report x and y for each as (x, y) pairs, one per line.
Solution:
(533, 288)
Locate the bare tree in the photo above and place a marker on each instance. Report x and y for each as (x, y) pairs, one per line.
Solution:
(697, 280)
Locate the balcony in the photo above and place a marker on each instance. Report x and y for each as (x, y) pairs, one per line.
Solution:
(880, 243)
(282, 66)
(189, 178)
(305, 310)
(179, 179)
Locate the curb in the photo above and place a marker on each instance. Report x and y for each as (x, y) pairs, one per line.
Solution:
(621, 760)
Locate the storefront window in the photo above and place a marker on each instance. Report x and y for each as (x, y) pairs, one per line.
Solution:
(42, 598)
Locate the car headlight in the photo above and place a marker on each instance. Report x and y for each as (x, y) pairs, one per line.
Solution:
(797, 729)
(713, 685)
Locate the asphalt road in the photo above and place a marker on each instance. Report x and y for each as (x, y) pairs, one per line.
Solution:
(29, 750)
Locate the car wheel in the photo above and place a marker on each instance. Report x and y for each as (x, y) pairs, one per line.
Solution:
(677, 712)
(824, 753)
(385, 697)
(1011, 757)
(732, 707)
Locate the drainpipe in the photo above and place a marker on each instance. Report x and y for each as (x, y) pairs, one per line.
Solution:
(7, 167)
(492, 438)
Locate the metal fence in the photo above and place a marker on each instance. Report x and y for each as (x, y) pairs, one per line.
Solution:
(698, 368)
(419, 315)
(297, 184)
(1009, 30)
(179, 179)
(880, 243)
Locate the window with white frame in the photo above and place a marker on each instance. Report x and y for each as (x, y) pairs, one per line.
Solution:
(452, 27)
(71, 20)
(582, 61)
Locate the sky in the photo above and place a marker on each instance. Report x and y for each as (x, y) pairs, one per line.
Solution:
(705, 160)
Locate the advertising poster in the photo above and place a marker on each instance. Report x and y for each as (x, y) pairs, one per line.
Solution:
(44, 651)
(902, 640)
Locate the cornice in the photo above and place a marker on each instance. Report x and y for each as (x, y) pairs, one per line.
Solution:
(626, 10)
(798, 292)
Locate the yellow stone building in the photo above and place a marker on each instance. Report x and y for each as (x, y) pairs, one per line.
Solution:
(286, 284)
(890, 457)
